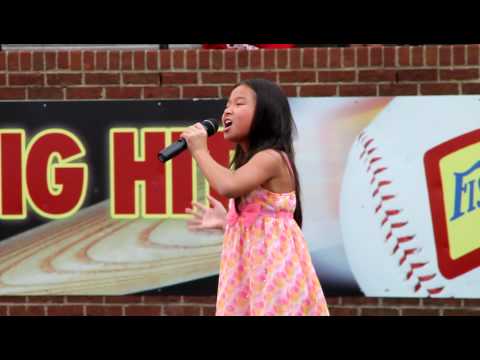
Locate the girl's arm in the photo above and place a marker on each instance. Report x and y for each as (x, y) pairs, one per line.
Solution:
(262, 167)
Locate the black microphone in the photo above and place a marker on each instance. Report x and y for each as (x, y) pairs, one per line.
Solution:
(211, 125)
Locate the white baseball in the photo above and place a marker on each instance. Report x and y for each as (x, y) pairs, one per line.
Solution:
(392, 251)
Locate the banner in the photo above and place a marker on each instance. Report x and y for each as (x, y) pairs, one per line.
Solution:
(390, 195)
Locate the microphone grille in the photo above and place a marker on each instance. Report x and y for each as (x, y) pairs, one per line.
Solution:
(211, 125)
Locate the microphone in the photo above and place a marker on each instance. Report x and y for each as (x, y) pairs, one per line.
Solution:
(211, 125)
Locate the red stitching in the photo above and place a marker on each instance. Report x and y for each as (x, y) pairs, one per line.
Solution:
(392, 212)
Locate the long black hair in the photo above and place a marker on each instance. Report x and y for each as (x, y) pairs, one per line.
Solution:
(272, 127)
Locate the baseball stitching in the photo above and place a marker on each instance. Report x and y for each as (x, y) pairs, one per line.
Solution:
(371, 156)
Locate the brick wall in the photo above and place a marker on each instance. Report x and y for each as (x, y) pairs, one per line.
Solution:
(183, 74)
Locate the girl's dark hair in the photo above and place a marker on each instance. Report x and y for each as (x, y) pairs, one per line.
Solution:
(272, 127)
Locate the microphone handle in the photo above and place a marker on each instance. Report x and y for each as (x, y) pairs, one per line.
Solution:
(172, 150)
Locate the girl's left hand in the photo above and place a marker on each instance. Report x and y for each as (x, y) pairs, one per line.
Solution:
(196, 137)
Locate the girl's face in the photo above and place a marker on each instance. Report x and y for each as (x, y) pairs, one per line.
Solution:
(238, 115)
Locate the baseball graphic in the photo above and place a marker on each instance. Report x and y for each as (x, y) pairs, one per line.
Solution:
(410, 199)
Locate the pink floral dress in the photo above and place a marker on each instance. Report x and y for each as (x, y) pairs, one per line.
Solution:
(265, 266)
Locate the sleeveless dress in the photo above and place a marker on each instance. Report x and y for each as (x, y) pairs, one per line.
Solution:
(265, 266)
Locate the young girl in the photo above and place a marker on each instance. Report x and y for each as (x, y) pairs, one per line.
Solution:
(265, 266)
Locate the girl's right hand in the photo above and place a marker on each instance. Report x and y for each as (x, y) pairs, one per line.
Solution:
(207, 218)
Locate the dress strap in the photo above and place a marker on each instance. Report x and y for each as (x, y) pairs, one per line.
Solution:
(287, 160)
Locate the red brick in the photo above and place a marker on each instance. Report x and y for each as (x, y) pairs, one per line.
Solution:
(178, 59)
(269, 58)
(192, 62)
(3, 310)
(84, 299)
(63, 60)
(11, 299)
(461, 312)
(140, 310)
(376, 75)
(126, 57)
(225, 91)
(152, 60)
(88, 61)
(168, 92)
(358, 90)
(75, 60)
(308, 58)
(321, 58)
(124, 93)
(431, 55)
(65, 310)
(343, 311)
(26, 61)
(417, 56)
(333, 300)
(378, 312)
(334, 57)
(28, 310)
(217, 59)
(3, 79)
(84, 93)
(12, 94)
(3, 65)
(101, 60)
(282, 58)
(50, 60)
(472, 54)
(208, 311)
(471, 88)
(297, 76)
(318, 90)
(114, 60)
(290, 91)
(459, 54)
(255, 59)
(45, 93)
(442, 302)
(139, 60)
(417, 75)
(230, 60)
(336, 76)
(445, 54)
(172, 310)
(348, 57)
(400, 301)
(102, 79)
(219, 78)
(200, 91)
(92, 310)
(200, 300)
(420, 312)
(26, 79)
(398, 89)
(64, 79)
(129, 299)
(272, 76)
(295, 58)
(162, 299)
(13, 61)
(359, 300)
(389, 56)
(376, 56)
(439, 89)
(39, 61)
(472, 302)
(362, 56)
(165, 59)
(141, 78)
(459, 74)
(41, 299)
(403, 56)
(179, 78)
(204, 59)
(242, 59)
